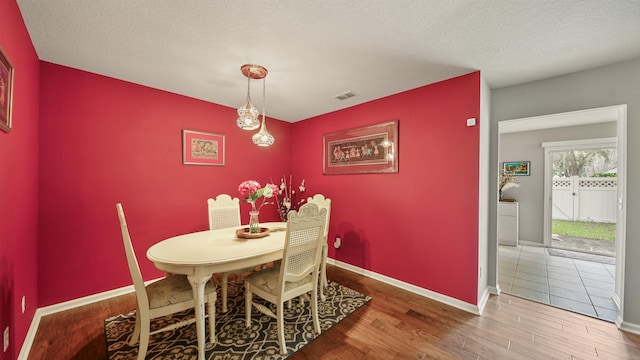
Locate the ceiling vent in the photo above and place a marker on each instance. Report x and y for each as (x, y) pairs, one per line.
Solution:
(345, 95)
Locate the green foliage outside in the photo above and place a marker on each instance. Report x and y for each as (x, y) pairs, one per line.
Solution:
(586, 230)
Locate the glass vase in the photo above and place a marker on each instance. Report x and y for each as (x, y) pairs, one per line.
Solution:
(254, 223)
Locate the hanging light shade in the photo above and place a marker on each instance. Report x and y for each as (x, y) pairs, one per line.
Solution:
(248, 115)
(263, 138)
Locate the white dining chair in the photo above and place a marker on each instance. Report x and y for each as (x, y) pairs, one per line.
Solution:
(323, 203)
(160, 298)
(224, 212)
(295, 275)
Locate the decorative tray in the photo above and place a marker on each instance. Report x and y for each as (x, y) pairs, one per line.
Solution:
(245, 234)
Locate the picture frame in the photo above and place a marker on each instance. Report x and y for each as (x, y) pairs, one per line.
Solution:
(202, 148)
(368, 149)
(6, 91)
(516, 168)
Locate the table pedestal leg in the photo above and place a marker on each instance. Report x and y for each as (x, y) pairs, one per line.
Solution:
(198, 282)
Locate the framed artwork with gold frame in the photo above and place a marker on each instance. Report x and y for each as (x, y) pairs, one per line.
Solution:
(368, 149)
(6, 91)
(202, 148)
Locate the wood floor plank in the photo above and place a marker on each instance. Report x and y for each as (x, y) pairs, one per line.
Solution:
(396, 324)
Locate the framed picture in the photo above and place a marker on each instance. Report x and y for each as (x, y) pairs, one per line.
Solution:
(201, 148)
(369, 149)
(6, 91)
(516, 168)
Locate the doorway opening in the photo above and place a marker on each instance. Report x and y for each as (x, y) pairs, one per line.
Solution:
(527, 269)
(583, 200)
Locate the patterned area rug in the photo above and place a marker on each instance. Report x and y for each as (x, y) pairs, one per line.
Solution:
(235, 341)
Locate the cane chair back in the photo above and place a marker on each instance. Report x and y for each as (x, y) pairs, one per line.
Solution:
(224, 212)
(296, 274)
(323, 203)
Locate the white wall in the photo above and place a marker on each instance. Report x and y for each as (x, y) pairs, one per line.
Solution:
(615, 84)
(483, 202)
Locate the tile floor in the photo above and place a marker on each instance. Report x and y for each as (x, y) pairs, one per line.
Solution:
(580, 286)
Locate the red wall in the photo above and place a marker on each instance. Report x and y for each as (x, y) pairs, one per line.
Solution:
(419, 226)
(105, 141)
(18, 184)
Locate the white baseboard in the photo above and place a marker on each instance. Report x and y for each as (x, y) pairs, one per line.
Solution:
(482, 302)
(628, 327)
(495, 290)
(409, 287)
(67, 305)
(530, 243)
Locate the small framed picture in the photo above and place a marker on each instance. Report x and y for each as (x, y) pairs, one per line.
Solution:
(6, 91)
(516, 168)
(369, 149)
(201, 148)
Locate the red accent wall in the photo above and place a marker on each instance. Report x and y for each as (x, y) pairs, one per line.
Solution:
(419, 226)
(18, 184)
(105, 141)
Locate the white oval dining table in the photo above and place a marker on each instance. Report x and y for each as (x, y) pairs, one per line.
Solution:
(204, 253)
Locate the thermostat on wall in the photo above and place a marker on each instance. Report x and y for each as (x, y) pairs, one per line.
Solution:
(471, 122)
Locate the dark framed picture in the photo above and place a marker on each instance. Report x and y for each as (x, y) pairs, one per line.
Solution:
(202, 148)
(516, 168)
(369, 149)
(6, 91)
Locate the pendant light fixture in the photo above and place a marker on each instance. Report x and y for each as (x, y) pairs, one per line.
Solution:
(263, 138)
(248, 115)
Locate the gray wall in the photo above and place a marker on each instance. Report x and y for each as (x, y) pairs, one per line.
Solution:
(526, 146)
(604, 86)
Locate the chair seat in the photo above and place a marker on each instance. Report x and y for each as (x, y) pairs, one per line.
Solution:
(172, 290)
(267, 280)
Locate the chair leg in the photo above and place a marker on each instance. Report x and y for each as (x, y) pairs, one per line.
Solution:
(314, 310)
(136, 330)
(280, 314)
(225, 282)
(323, 271)
(247, 304)
(144, 338)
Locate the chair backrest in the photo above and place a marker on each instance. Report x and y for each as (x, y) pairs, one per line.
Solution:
(303, 244)
(322, 203)
(132, 261)
(224, 212)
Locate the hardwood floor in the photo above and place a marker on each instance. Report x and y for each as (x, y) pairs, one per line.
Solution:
(396, 324)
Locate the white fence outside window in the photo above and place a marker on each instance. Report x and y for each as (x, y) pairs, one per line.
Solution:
(585, 199)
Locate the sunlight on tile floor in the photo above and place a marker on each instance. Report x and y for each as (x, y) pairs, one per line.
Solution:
(576, 285)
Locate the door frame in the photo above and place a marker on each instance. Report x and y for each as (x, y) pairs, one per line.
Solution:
(617, 113)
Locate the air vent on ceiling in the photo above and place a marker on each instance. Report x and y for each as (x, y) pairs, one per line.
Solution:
(345, 95)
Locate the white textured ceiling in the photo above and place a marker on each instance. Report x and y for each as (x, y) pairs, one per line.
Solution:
(316, 49)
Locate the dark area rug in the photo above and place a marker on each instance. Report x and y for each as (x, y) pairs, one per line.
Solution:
(582, 256)
(235, 341)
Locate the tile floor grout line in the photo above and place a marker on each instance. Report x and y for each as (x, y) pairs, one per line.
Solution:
(536, 257)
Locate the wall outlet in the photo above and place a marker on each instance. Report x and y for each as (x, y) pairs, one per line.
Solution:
(337, 243)
(24, 303)
(6, 339)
